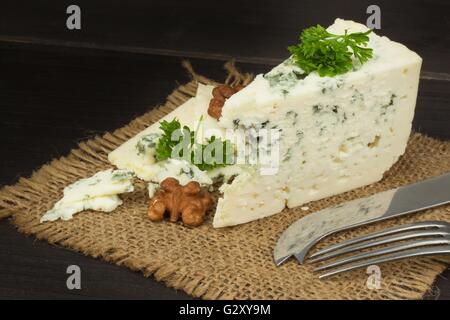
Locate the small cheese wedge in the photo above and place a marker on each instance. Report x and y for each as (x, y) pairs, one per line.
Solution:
(137, 154)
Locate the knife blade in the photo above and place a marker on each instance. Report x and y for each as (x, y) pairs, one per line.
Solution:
(303, 234)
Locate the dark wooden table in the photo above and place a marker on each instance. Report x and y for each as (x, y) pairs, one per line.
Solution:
(58, 87)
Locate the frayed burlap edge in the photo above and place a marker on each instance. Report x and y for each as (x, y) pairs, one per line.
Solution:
(16, 200)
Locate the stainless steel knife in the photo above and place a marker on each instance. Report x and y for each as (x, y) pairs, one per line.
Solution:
(303, 234)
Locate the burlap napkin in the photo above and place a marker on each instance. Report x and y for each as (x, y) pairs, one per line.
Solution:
(210, 263)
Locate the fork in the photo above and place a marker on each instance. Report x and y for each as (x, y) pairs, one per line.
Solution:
(405, 241)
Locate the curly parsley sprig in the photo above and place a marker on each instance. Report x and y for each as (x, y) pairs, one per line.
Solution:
(330, 54)
(167, 142)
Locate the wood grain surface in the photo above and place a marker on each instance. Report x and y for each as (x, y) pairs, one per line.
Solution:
(58, 87)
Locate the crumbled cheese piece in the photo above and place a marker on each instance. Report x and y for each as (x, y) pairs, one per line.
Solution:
(98, 192)
(183, 171)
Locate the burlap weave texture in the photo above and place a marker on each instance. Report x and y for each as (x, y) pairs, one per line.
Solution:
(210, 263)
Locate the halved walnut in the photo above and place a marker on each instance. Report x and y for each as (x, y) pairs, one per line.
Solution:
(189, 201)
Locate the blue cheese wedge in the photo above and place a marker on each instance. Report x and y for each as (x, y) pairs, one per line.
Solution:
(338, 133)
(99, 192)
(335, 133)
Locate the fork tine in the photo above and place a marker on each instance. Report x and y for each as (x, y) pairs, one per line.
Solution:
(385, 232)
(385, 240)
(383, 251)
(426, 251)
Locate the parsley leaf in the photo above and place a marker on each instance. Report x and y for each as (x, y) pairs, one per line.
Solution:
(173, 134)
(330, 54)
(165, 143)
